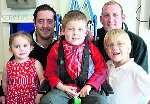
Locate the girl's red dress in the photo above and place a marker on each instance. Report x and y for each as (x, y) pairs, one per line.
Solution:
(22, 84)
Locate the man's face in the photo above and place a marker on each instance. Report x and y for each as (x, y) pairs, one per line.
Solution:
(44, 24)
(112, 18)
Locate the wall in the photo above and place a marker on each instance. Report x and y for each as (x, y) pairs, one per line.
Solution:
(144, 28)
(4, 53)
(61, 7)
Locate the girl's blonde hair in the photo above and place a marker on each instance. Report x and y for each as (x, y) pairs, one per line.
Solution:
(21, 34)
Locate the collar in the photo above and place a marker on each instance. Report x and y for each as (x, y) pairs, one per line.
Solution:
(124, 66)
(35, 38)
(124, 26)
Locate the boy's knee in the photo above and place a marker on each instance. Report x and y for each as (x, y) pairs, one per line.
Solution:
(45, 99)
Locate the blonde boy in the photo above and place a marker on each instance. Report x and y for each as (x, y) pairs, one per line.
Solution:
(129, 81)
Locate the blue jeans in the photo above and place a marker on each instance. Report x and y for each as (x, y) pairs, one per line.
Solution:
(56, 96)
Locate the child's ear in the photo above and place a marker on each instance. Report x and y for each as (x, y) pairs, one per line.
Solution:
(90, 34)
(62, 31)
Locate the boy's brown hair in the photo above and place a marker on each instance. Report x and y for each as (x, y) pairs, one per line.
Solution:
(73, 15)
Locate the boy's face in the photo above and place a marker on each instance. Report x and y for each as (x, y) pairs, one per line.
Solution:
(118, 50)
(75, 31)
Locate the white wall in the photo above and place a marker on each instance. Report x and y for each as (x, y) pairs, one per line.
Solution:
(4, 53)
(144, 30)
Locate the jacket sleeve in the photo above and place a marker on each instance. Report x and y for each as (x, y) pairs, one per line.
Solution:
(139, 51)
(142, 57)
(52, 67)
(99, 75)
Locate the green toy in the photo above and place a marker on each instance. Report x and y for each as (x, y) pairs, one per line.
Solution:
(76, 100)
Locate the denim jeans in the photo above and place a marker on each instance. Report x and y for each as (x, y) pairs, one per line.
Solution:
(56, 96)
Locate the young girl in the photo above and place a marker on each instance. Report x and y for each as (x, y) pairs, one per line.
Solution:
(75, 66)
(130, 83)
(21, 75)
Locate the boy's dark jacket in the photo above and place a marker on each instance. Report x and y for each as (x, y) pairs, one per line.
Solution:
(138, 51)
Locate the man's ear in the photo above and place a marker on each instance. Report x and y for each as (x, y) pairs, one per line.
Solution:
(123, 17)
(100, 19)
(31, 48)
(54, 23)
(34, 22)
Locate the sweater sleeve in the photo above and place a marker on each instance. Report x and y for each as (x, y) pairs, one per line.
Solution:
(99, 75)
(52, 67)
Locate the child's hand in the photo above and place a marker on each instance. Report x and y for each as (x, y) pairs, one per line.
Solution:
(85, 90)
(71, 91)
(38, 98)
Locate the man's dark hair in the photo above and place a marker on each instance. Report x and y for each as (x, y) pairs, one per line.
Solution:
(44, 7)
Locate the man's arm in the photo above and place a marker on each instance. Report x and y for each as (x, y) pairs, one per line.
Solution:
(139, 51)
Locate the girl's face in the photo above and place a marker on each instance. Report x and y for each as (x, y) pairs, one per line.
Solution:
(75, 31)
(118, 50)
(21, 48)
